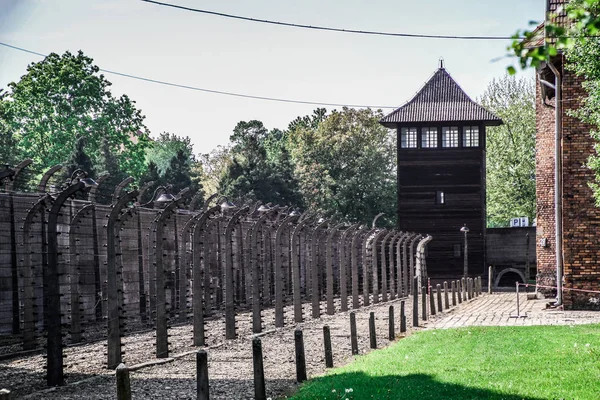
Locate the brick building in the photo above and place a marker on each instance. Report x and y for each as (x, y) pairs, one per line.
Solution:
(578, 213)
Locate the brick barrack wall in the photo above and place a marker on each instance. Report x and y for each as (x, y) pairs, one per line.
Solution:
(581, 217)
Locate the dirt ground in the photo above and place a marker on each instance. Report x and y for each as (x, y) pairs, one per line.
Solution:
(230, 361)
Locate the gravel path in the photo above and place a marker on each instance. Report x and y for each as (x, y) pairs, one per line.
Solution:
(230, 361)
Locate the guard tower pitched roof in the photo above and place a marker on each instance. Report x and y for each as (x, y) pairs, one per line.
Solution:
(440, 100)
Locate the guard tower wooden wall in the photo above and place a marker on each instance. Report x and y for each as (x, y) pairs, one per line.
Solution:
(441, 172)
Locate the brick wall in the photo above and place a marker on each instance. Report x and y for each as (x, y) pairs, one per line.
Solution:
(544, 170)
(581, 217)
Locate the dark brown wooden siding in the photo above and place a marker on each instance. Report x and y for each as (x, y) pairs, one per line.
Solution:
(460, 174)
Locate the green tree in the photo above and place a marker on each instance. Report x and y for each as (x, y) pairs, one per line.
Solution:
(80, 160)
(579, 40)
(64, 97)
(510, 152)
(254, 175)
(346, 165)
(211, 167)
(165, 147)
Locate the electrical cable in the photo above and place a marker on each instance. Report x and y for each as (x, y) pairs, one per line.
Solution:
(221, 92)
(331, 29)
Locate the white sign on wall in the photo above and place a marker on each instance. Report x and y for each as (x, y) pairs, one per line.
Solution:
(519, 222)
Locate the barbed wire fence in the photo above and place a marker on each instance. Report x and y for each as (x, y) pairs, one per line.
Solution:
(83, 262)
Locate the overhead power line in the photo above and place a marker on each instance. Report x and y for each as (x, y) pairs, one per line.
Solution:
(330, 29)
(213, 91)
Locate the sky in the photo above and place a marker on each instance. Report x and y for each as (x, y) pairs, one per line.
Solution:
(212, 52)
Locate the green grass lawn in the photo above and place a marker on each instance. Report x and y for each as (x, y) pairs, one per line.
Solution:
(538, 362)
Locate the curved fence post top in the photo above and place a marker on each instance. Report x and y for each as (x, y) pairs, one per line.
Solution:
(17, 170)
(195, 199)
(84, 211)
(235, 219)
(121, 202)
(208, 200)
(94, 189)
(375, 220)
(143, 190)
(119, 188)
(46, 177)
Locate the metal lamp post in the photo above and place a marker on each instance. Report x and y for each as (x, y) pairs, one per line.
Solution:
(55, 374)
(465, 230)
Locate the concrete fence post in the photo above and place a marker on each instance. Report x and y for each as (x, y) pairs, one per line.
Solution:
(415, 302)
(446, 300)
(432, 309)
(392, 325)
(260, 392)
(123, 383)
(402, 318)
(328, 348)
(353, 336)
(300, 356)
(372, 332)
(202, 375)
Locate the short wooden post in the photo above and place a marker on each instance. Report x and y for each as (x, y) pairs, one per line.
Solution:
(201, 375)
(453, 285)
(353, 338)
(470, 288)
(392, 330)
(259, 372)
(123, 384)
(490, 276)
(438, 292)
(4, 394)
(424, 303)
(402, 318)
(415, 302)
(464, 289)
(446, 298)
(431, 301)
(328, 349)
(372, 333)
(300, 357)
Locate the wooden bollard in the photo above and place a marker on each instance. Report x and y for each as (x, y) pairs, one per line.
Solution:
(424, 303)
(438, 292)
(202, 375)
(300, 357)
(446, 298)
(372, 333)
(431, 301)
(353, 337)
(392, 325)
(260, 392)
(402, 318)
(464, 289)
(4, 394)
(459, 291)
(490, 272)
(415, 302)
(328, 348)
(123, 383)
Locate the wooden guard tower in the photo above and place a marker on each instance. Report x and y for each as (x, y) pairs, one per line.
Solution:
(441, 173)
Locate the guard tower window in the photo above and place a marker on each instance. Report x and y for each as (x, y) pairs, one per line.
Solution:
(470, 136)
(408, 138)
(429, 138)
(450, 136)
(440, 198)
